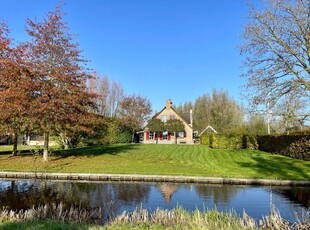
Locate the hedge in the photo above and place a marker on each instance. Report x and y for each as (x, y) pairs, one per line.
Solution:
(295, 146)
(229, 141)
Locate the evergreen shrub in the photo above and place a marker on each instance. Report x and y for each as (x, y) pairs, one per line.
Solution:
(222, 141)
(204, 139)
(249, 142)
(296, 146)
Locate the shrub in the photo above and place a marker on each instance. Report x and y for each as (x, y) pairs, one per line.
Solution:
(213, 141)
(205, 140)
(296, 146)
(229, 141)
(226, 141)
(300, 149)
(117, 133)
(249, 142)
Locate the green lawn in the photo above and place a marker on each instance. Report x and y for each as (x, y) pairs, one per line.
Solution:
(186, 160)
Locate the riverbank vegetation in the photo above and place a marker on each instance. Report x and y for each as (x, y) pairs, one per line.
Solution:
(152, 159)
(56, 217)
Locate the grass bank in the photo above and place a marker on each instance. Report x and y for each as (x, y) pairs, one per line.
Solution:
(185, 160)
(177, 218)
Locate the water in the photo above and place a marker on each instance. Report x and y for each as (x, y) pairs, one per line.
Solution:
(114, 198)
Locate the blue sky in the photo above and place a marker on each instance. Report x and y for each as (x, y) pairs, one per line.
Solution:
(160, 49)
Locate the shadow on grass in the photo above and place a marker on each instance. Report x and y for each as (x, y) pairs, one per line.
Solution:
(278, 167)
(94, 150)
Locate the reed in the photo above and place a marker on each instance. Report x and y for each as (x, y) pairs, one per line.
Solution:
(53, 212)
(177, 218)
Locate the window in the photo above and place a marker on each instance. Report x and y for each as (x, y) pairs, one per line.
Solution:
(181, 134)
(165, 135)
(151, 136)
(164, 118)
(171, 117)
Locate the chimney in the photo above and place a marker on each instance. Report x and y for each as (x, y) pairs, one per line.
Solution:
(168, 104)
(191, 117)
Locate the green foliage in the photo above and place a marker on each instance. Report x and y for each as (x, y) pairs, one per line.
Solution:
(42, 225)
(117, 133)
(204, 140)
(226, 141)
(296, 146)
(174, 125)
(301, 149)
(110, 131)
(229, 141)
(249, 142)
(155, 125)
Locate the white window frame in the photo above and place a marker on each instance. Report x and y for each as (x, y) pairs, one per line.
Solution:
(165, 135)
(151, 135)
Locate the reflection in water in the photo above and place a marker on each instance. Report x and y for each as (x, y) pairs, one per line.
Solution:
(167, 190)
(217, 193)
(297, 195)
(114, 198)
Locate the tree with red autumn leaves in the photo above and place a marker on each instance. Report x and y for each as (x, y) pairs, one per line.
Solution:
(61, 98)
(134, 112)
(16, 87)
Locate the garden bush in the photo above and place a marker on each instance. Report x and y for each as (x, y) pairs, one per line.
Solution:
(222, 141)
(229, 141)
(296, 146)
(300, 149)
(249, 142)
(205, 140)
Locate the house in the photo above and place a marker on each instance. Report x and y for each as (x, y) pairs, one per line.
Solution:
(165, 137)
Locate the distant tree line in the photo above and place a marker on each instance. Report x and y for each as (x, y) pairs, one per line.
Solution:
(226, 115)
(221, 112)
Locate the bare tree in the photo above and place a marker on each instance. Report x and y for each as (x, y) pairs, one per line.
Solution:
(115, 97)
(202, 116)
(103, 91)
(276, 47)
(219, 110)
(109, 95)
(288, 109)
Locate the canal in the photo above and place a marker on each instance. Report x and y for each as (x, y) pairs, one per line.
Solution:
(115, 197)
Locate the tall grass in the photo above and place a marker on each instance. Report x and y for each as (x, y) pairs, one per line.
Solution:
(53, 212)
(177, 218)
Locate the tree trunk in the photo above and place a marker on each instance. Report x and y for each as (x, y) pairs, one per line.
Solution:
(15, 139)
(156, 137)
(45, 149)
(175, 138)
(132, 137)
